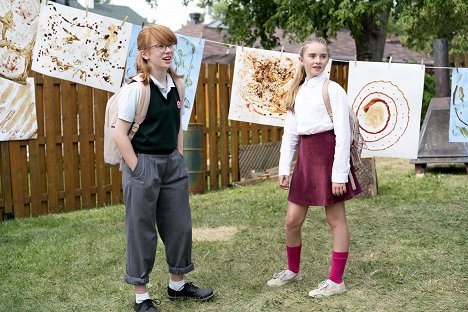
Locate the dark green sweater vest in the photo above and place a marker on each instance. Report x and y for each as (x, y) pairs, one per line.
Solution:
(159, 131)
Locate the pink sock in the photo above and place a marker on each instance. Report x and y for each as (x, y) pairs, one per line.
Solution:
(294, 258)
(338, 266)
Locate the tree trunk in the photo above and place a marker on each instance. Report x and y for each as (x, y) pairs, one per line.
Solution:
(370, 42)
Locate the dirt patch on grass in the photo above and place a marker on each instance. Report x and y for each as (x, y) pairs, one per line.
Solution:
(214, 234)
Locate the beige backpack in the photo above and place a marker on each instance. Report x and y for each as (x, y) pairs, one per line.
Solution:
(357, 141)
(112, 154)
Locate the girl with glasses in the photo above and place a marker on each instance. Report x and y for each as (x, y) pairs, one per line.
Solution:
(155, 176)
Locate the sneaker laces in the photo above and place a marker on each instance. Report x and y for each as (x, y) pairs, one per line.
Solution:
(323, 285)
(149, 303)
(279, 274)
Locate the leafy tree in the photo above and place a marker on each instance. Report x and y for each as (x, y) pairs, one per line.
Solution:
(249, 20)
(422, 21)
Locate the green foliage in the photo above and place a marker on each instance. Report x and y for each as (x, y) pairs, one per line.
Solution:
(422, 21)
(407, 252)
(428, 93)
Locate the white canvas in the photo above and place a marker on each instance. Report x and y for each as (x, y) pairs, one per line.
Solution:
(18, 25)
(187, 61)
(82, 47)
(387, 99)
(18, 119)
(458, 126)
(130, 66)
(261, 82)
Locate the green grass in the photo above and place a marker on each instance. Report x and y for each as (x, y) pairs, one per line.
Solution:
(408, 252)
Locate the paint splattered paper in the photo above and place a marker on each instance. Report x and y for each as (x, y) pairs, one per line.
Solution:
(18, 119)
(387, 100)
(83, 47)
(130, 66)
(458, 127)
(187, 62)
(18, 25)
(261, 82)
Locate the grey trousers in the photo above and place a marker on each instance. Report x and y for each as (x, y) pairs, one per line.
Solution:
(156, 194)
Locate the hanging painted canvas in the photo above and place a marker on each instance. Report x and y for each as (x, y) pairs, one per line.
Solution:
(387, 99)
(261, 82)
(18, 119)
(80, 46)
(130, 66)
(18, 25)
(187, 62)
(458, 127)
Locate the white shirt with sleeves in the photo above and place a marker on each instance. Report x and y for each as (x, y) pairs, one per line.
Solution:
(131, 92)
(311, 117)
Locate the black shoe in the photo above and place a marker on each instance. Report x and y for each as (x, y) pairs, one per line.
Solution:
(147, 305)
(190, 291)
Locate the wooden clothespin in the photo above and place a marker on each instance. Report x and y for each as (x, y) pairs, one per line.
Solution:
(200, 38)
(422, 63)
(86, 16)
(390, 61)
(123, 22)
(355, 60)
(282, 49)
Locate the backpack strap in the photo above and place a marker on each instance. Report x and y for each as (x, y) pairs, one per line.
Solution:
(142, 107)
(326, 98)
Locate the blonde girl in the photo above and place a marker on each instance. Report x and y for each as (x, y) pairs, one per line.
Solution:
(320, 176)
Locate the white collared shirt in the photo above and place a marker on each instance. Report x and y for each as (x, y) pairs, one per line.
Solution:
(311, 117)
(131, 92)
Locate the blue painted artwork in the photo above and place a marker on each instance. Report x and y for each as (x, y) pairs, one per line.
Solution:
(130, 68)
(187, 62)
(458, 127)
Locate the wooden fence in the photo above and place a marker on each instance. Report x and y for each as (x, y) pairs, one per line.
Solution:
(63, 169)
(458, 59)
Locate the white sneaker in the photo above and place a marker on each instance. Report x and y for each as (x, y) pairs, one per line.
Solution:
(327, 288)
(284, 277)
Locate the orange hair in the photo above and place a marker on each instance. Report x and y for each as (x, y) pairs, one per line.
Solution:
(148, 36)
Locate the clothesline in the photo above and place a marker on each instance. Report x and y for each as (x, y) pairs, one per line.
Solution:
(230, 45)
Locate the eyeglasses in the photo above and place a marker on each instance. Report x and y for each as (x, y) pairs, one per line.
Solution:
(162, 47)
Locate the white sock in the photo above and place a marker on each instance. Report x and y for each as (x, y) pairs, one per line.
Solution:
(141, 297)
(176, 285)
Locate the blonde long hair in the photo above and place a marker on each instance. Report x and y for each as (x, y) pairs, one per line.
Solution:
(300, 78)
(148, 36)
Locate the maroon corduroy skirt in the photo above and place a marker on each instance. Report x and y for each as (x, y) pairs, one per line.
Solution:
(311, 180)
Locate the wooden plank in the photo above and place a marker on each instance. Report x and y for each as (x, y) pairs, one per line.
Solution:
(213, 127)
(59, 144)
(84, 98)
(50, 136)
(200, 112)
(254, 129)
(234, 134)
(102, 171)
(16, 180)
(116, 182)
(223, 111)
(38, 166)
(6, 178)
(70, 165)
